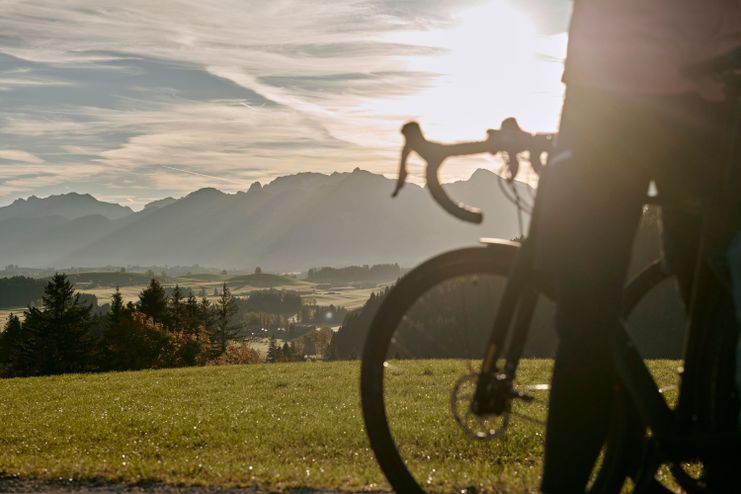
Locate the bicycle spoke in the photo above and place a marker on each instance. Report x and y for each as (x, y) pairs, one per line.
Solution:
(528, 418)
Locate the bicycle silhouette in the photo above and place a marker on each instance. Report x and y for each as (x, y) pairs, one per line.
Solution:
(486, 339)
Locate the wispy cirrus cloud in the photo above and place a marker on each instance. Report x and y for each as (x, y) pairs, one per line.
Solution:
(19, 155)
(137, 100)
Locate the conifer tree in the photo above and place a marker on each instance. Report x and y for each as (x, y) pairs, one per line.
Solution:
(153, 302)
(192, 322)
(273, 351)
(57, 334)
(207, 316)
(117, 307)
(175, 319)
(225, 308)
(287, 352)
(10, 345)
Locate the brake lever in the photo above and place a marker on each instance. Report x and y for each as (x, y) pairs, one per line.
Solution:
(412, 137)
(509, 133)
(542, 143)
(401, 178)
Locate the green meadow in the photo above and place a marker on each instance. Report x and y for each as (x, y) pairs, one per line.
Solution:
(275, 426)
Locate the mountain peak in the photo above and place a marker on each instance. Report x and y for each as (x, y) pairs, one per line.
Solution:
(71, 205)
(301, 180)
(150, 206)
(206, 192)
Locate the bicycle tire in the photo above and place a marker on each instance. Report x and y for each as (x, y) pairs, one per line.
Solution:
(497, 260)
(625, 440)
(711, 357)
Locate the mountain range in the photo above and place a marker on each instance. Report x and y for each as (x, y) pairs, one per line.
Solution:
(291, 224)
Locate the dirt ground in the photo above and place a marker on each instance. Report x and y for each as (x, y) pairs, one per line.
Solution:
(13, 485)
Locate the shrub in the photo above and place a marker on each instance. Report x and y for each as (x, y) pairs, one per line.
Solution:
(237, 353)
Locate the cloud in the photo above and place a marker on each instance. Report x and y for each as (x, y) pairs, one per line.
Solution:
(226, 92)
(44, 178)
(19, 155)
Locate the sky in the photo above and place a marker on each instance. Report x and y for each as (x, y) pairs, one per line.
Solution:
(133, 101)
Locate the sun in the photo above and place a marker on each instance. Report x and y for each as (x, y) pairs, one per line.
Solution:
(491, 64)
(494, 64)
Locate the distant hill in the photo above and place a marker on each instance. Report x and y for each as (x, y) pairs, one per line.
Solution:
(348, 274)
(203, 277)
(291, 224)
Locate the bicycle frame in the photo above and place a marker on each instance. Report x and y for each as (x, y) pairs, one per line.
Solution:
(513, 318)
(668, 442)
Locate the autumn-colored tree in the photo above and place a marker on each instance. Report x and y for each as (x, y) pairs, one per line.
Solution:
(134, 341)
(237, 353)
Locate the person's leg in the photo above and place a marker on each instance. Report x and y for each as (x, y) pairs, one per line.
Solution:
(708, 400)
(734, 261)
(594, 196)
(588, 303)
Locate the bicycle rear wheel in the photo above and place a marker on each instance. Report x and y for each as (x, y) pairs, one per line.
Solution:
(424, 347)
(707, 403)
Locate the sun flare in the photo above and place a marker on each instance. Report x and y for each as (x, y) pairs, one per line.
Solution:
(495, 64)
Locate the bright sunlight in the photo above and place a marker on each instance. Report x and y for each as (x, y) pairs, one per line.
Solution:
(494, 65)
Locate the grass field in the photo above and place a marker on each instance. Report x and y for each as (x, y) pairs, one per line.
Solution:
(5, 314)
(263, 280)
(348, 297)
(104, 294)
(273, 425)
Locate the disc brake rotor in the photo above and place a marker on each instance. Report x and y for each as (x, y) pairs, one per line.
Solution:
(480, 427)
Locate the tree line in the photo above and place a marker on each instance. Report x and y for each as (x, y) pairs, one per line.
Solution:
(377, 272)
(64, 334)
(17, 291)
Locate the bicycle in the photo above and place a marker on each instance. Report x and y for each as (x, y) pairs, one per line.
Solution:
(484, 401)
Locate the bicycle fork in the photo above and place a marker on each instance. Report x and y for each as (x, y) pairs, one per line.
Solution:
(494, 389)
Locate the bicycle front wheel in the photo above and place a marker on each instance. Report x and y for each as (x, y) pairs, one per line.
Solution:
(423, 350)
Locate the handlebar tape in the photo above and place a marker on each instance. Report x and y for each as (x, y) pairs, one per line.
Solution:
(457, 209)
